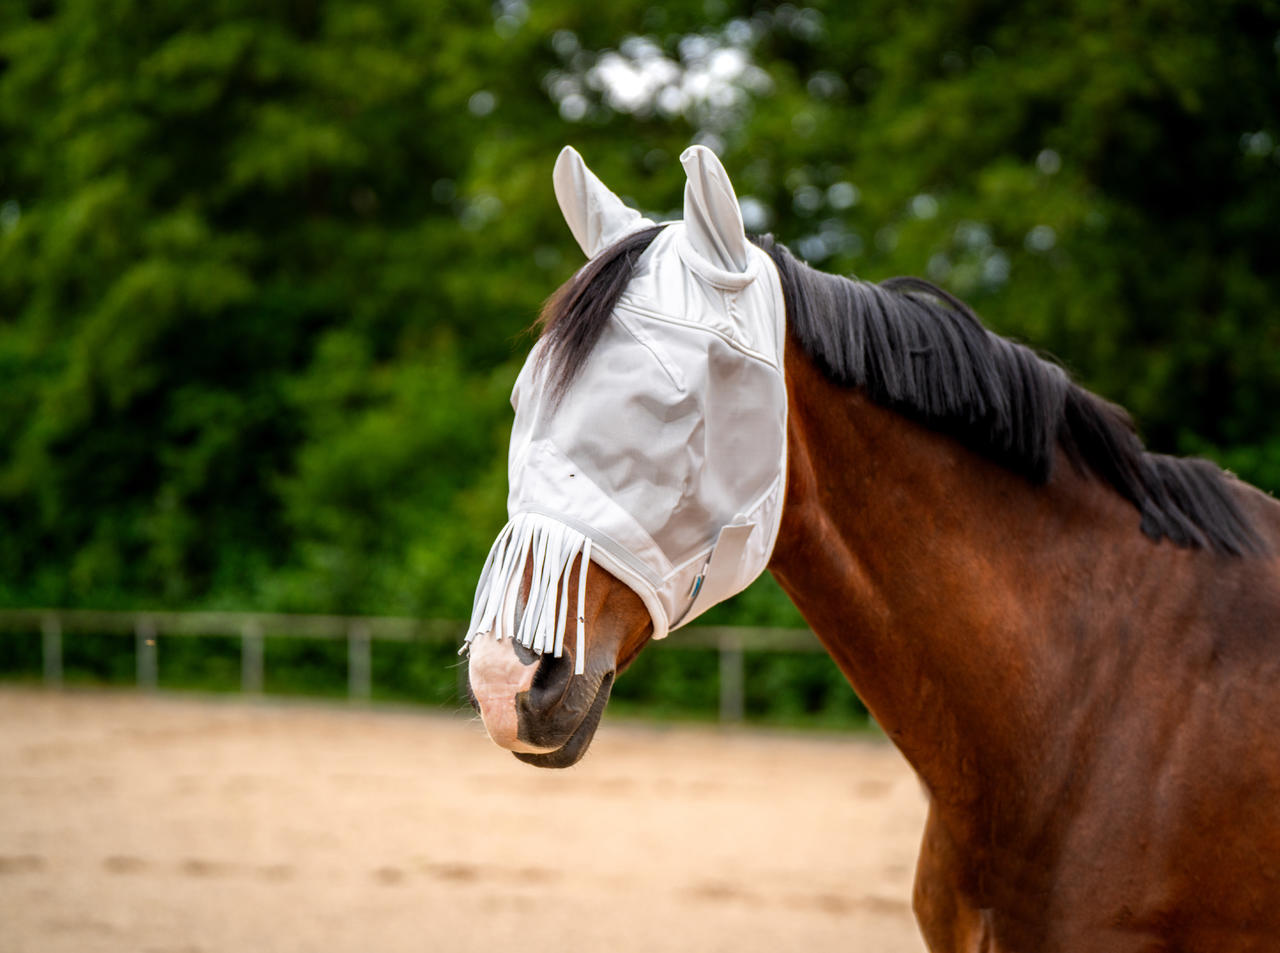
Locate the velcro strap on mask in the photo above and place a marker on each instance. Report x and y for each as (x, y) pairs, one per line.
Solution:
(719, 580)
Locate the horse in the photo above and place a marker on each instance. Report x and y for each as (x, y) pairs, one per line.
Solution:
(1074, 641)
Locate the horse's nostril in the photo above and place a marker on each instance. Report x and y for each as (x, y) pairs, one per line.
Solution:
(551, 678)
(526, 656)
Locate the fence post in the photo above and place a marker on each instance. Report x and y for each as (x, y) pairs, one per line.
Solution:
(251, 658)
(358, 663)
(51, 650)
(732, 706)
(145, 642)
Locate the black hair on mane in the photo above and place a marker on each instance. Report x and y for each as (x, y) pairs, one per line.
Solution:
(573, 318)
(923, 353)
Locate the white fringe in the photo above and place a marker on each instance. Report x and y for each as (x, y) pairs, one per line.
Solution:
(553, 547)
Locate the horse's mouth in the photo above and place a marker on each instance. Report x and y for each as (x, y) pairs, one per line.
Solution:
(571, 752)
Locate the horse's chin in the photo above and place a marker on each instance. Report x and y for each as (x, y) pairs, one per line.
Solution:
(571, 752)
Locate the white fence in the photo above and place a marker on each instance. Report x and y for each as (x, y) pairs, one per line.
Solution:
(360, 632)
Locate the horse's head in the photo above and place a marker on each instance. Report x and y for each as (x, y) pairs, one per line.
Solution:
(647, 462)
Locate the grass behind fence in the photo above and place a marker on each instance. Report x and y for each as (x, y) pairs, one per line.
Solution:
(20, 656)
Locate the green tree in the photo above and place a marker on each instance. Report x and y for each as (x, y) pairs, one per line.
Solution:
(265, 273)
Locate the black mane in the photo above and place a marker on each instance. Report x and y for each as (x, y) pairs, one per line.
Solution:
(573, 318)
(923, 353)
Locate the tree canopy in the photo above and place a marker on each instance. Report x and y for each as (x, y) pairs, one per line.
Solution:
(266, 271)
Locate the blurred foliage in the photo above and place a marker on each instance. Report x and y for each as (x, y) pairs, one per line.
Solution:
(266, 270)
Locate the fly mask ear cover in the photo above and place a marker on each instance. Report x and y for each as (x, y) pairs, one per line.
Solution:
(665, 459)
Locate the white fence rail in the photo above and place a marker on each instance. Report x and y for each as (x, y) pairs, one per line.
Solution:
(360, 632)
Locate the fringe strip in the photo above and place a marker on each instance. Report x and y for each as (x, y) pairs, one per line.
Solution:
(553, 547)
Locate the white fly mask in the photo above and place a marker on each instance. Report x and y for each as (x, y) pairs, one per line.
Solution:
(665, 459)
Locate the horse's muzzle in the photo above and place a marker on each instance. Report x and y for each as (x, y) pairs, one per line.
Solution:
(535, 706)
(576, 737)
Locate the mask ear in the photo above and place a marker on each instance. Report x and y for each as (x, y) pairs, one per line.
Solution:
(712, 219)
(596, 216)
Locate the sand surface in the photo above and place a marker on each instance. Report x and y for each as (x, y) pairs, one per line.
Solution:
(178, 825)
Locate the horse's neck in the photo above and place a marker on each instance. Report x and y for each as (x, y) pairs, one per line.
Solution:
(929, 575)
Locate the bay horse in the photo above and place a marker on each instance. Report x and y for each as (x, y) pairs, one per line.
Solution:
(1074, 642)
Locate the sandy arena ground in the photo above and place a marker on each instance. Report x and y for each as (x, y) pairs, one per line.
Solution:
(176, 825)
